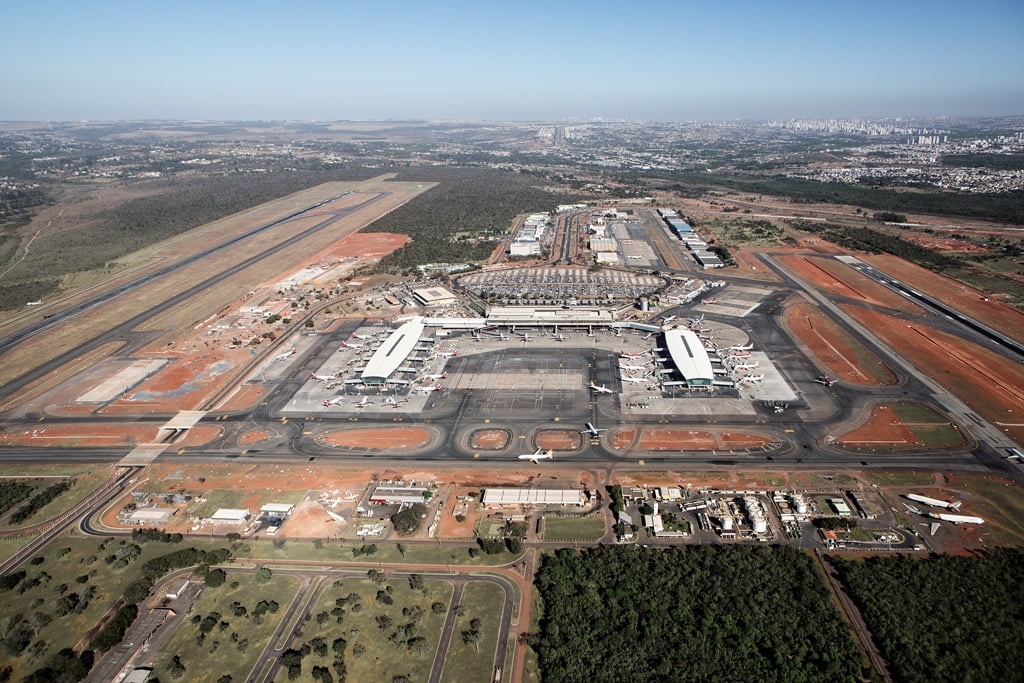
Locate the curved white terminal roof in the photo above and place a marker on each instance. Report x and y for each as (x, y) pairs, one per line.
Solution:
(393, 352)
(689, 356)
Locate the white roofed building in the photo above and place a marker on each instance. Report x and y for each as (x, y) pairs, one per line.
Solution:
(501, 497)
(690, 357)
(392, 353)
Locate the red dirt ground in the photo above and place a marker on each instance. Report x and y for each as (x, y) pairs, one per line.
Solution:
(489, 439)
(243, 399)
(989, 383)
(451, 527)
(559, 439)
(992, 312)
(621, 438)
(199, 435)
(253, 436)
(749, 266)
(839, 279)
(379, 439)
(840, 355)
(82, 435)
(371, 245)
(884, 429)
(653, 439)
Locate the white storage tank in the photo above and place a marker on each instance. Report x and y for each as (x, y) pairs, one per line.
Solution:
(727, 524)
(760, 525)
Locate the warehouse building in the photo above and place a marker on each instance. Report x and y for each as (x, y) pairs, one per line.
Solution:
(399, 495)
(504, 497)
(152, 516)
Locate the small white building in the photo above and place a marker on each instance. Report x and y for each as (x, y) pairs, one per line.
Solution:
(277, 510)
(152, 516)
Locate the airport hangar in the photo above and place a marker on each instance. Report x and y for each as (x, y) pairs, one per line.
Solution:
(685, 349)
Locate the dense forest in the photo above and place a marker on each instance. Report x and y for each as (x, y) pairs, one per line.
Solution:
(1001, 162)
(700, 613)
(1005, 207)
(467, 200)
(874, 241)
(944, 618)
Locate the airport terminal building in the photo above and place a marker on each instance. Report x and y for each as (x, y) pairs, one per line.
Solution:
(690, 358)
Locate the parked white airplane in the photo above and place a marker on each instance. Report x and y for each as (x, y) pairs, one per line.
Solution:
(362, 336)
(560, 337)
(363, 402)
(434, 378)
(286, 354)
(427, 390)
(325, 378)
(633, 368)
(592, 430)
(667, 319)
(752, 379)
(449, 354)
(748, 347)
(346, 345)
(746, 366)
(826, 380)
(539, 455)
(631, 355)
(392, 403)
(526, 337)
(333, 402)
(600, 389)
(635, 379)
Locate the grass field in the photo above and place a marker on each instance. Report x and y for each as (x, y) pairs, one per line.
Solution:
(65, 594)
(900, 478)
(999, 502)
(401, 642)
(83, 486)
(465, 663)
(217, 499)
(235, 642)
(588, 528)
(932, 429)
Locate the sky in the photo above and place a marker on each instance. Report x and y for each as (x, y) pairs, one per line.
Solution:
(644, 60)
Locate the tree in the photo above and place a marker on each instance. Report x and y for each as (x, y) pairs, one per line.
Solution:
(215, 578)
(416, 582)
(408, 521)
(263, 575)
(472, 637)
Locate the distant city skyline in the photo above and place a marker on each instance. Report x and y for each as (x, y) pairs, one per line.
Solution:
(459, 60)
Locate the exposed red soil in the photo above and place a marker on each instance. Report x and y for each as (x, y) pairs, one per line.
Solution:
(884, 429)
(749, 266)
(253, 436)
(989, 383)
(559, 439)
(489, 439)
(982, 308)
(370, 245)
(450, 527)
(199, 435)
(243, 399)
(81, 435)
(621, 438)
(653, 439)
(390, 438)
(838, 278)
(839, 354)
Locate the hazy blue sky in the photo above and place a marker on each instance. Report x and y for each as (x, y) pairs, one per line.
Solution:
(641, 59)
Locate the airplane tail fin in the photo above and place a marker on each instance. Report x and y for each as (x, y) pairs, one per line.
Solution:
(955, 505)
